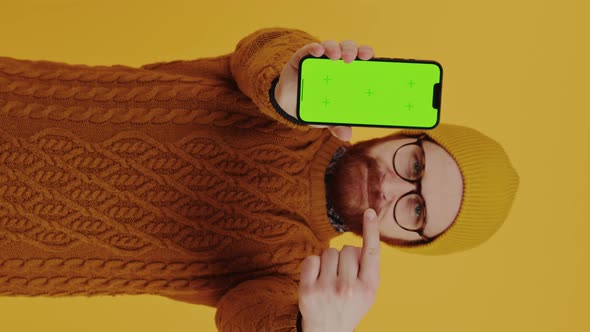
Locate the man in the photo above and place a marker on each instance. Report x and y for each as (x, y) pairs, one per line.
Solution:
(187, 179)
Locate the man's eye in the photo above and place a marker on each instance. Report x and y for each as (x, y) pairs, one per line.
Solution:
(415, 167)
(418, 209)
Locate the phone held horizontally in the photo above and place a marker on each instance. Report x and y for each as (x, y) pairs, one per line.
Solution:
(380, 92)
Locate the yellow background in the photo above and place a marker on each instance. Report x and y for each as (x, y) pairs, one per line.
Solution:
(515, 70)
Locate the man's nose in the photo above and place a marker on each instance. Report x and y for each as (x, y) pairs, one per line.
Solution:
(392, 186)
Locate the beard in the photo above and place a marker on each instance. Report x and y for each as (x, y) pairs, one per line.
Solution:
(347, 182)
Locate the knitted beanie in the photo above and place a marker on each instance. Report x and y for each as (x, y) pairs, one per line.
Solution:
(489, 186)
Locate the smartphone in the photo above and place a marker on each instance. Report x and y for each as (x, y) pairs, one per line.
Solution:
(380, 92)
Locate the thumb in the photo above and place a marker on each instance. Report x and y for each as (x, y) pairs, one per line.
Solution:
(344, 133)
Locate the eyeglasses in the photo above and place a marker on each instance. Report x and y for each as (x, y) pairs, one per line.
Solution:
(409, 212)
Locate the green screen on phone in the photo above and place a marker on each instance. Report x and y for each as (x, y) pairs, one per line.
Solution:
(378, 92)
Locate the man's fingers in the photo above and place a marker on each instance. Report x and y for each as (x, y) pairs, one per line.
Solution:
(344, 133)
(329, 265)
(348, 264)
(314, 49)
(349, 50)
(332, 49)
(370, 258)
(310, 269)
(366, 52)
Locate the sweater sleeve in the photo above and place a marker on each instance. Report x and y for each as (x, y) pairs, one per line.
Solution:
(259, 59)
(278, 108)
(260, 305)
(254, 66)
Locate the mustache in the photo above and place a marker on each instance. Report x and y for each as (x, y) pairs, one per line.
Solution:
(347, 183)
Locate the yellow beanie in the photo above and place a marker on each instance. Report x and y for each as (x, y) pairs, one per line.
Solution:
(489, 186)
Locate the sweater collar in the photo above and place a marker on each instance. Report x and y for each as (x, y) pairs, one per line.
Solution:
(325, 223)
(333, 217)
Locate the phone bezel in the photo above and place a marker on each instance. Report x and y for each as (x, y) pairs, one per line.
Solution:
(299, 81)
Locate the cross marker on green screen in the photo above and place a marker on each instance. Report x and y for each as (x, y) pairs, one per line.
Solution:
(327, 78)
(411, 83)
(409, 106)
(369, 92)
(325, 102)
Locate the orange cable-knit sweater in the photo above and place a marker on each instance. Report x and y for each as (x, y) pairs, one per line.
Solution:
(177, 179)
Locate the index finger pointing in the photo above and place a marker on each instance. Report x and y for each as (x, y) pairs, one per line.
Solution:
(370, 257)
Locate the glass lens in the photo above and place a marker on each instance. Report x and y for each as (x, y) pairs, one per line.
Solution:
(409, 162)
(410, 212)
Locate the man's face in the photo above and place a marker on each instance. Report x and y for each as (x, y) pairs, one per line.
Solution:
(364, 177)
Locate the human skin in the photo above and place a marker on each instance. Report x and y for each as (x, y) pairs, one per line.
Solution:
(365, 178)
(378, 185)
(338, 288)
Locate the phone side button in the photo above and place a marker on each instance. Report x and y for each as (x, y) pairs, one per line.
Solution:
(436, 96)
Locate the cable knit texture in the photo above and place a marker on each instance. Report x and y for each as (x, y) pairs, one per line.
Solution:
(177, 179)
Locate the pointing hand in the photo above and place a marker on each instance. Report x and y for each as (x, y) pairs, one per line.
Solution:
(338, 289)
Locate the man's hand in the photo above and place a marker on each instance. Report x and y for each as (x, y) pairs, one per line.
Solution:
(346, 287)
(286, 89)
